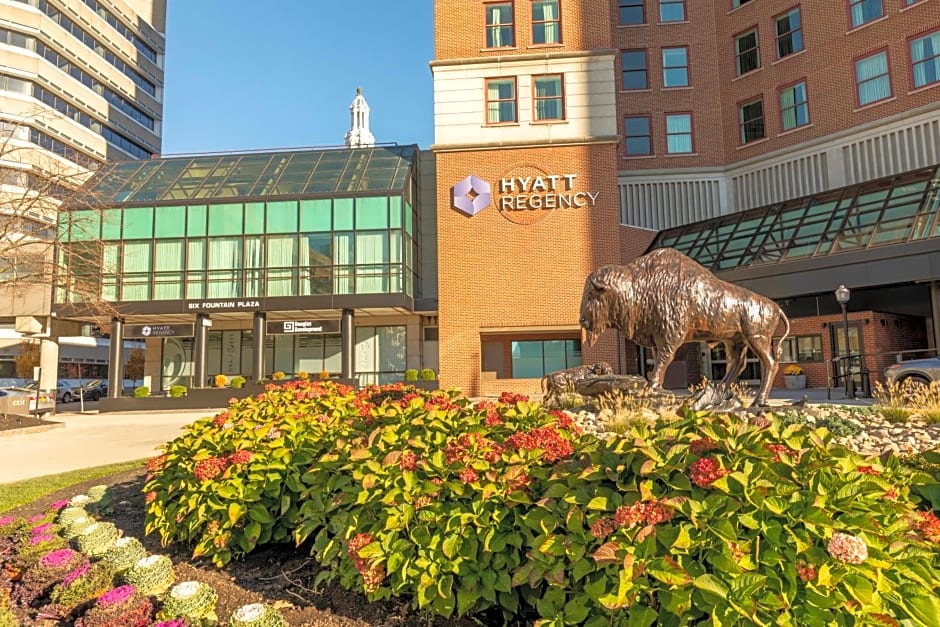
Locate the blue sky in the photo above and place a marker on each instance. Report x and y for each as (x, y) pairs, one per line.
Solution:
(244, 74)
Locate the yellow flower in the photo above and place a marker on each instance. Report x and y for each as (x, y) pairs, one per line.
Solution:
(792, 370)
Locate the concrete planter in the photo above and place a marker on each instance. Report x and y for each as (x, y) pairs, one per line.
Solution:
(428, 386)
(794, 381)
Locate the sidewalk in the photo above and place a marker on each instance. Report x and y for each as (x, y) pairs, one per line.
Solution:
(89, 439)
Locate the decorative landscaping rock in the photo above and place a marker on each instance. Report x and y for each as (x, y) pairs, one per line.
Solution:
(95, 539)
(193, 600)
(257, 615)
(151, 575)
(607, 384)
(123, 554)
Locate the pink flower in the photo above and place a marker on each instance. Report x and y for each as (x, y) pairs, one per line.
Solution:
(36, 518)
(468, 475)
(176, 622)
(116, 596)
(39, 530)
(75, 574)
(57, 559)
(847, 548)
(239, 457)
(6, 520)
(706, 471)
(58, 505)
(602, 528)
(33, 541)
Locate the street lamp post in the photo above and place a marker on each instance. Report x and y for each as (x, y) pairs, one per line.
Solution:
(842, 295)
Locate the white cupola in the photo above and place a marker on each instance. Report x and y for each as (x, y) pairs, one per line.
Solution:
(359, 135)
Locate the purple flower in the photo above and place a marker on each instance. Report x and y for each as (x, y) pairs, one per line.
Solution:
(37, 518)
(58, 505)
(117, 596)
(176, 622)
(57, 559)
(6, 520)
(33, 541)
(39, 530)
(75, 574)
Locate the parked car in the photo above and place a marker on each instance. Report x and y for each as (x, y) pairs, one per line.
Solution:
(922, 371)
(22, 401)
(94, 389)
(12, 383)
(63, 393)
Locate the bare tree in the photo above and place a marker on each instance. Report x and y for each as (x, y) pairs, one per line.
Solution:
(36, 186)
(27, 360)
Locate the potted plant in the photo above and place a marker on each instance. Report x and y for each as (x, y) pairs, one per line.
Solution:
(794, 378)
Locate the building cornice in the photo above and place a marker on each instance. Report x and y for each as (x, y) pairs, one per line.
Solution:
(522, 58)
(548, 143)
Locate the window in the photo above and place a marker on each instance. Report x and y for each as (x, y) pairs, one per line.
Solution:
(865, 11)
(802, 348)
(500, 100)
(789, 33)
(751, 121)
(546, 22)
(746, 53)
(536, 358)
(637, 135)
(548, 94)
(872, 78)
(632, 12)
(675, 67)
(671, 10)
(499, 33)
(794, 109)
(679, 133)
(736, 3)
(925, 59)
(634, 69)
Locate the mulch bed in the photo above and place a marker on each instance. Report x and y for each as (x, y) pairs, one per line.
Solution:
(9, 422)
(279, 574)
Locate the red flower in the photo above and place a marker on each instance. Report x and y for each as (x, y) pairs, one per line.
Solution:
(778, 450)
(155, 464)
(806, 571)
(372, 575)
(706, 471)
(206, 469)
(649, 512)
(547, 439)
(928, 525)
(867, 470)
(151, 497)
(511, 398)
(409, 461)
(239, 457)
(891, 495)
(221, 419)
(602, 528)
(468, 475)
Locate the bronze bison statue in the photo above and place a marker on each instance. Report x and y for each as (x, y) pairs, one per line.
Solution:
(554, 384)
(665, 299)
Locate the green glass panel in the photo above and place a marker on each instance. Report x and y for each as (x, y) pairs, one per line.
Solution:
(225, 219)
(316, 215)
(395, 247)
(169, 255)
(168, 286)
(112, 256)
(394, 212)
(170, 222)
(254, 218)
(343, 214)
(111, 223)
(157, 184)
(138, 223)
(892, 232)
(86, 225)
(408, 219)
(196, 259)
(196, 220)
(195, 285)
(372, 213)
(282, 217)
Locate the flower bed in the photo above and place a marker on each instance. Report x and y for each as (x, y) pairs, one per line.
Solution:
(505, 505)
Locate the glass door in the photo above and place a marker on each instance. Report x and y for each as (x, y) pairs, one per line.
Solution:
(855, 364)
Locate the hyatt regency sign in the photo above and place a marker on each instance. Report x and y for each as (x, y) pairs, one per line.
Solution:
(158, 330)
(524, 197)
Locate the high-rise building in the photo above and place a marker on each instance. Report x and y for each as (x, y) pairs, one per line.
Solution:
(568, 134)
(81, 83)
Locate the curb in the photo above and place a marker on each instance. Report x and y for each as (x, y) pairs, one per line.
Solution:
(35, 429)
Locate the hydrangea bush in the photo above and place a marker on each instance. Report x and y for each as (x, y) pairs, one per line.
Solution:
(468, 506)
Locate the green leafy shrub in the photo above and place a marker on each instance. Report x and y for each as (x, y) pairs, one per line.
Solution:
(427, 374)
(238, 382)
(178, 391)
(141, 392)
(411, 374)
(467, 506)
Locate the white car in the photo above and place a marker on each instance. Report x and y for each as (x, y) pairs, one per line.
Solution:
(63, 392)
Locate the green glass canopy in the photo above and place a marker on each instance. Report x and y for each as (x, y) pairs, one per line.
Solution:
(893, 210)
(253, 175)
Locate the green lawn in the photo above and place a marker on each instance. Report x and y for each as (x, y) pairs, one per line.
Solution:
(28, 490)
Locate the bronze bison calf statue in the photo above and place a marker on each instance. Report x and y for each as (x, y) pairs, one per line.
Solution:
(560, 382)
(665, 299)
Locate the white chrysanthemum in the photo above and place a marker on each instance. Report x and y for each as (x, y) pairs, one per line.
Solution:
(149, 561)
(249, 613)
(185, 589)
(90, 529)
(79, 499)
(123, 542)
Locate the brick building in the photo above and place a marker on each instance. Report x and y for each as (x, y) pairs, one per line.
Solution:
(675, 119)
